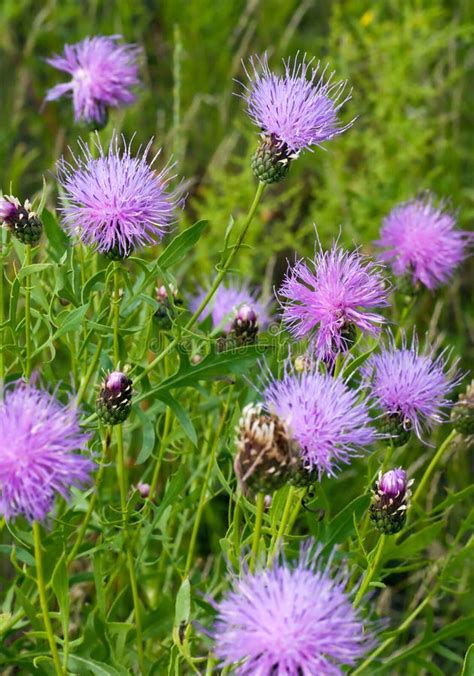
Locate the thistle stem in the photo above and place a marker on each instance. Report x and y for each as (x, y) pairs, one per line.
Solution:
(26, 263)
(2, 319)
(371, 571)
(260, 504)
(431, 467)
(220, 276)
(88, 375)
(116, 315)
(98, 481)
(43, 599)
(283, 524)
(205, 483)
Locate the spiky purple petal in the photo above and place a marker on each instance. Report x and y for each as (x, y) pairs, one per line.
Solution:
(39, 438)
(116, 200)
(421, 239)
(299, 109)
(323, 296)
(227, 301)
(104, 73)
(289, 620)
(324, 416)
(411, 383)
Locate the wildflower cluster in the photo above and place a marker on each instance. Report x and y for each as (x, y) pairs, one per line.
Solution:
(155, 433)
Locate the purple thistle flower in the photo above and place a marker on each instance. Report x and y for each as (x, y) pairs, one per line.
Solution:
(299, 109)
(103, 75)
(8, 207)
(393, 483)
(421, 240)
(290, 620)
(411, 384)
(226, 303)
(116, 202)
(39, 437)
(324, 416)
(334, 298)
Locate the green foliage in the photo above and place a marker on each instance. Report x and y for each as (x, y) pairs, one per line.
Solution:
(408, 65)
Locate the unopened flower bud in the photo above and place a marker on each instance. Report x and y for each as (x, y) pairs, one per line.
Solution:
(143, 489)
(245, 326)
(390, 501)
(271, 161)
(462, 413)
(266, 454)
(164, 312)
(114, 402)
(23, 223)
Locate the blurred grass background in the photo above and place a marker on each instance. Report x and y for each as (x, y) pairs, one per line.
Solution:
(410, 65)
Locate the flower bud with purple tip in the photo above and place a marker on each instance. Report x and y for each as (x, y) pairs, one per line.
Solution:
(20, 219)
(114, 402)
(245, 325)
(390, 501)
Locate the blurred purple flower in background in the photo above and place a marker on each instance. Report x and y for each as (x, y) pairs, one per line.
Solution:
(103, 75)
(422, 241)
(290, 620)
(324, 416)
(226, 303)
(299, 109)
(410, 384)
(38, 440)
(326, 298)
(117, 202)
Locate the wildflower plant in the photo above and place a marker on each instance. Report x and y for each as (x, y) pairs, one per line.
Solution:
(172, 439)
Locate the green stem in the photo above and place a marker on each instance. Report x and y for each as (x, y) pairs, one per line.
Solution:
(88, 375)
(431, 467)
(98, 481)
(283, 524)
(220, 276)
(236, 526)
(260, 504)
(205, 483)
(43, 599)
(26, 262)
(405, 312)
(116, 313)
(371, 572)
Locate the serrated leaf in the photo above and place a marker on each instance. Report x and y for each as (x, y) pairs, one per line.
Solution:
(416, 542)
(57, 239)
(180, 245)
(33, 269)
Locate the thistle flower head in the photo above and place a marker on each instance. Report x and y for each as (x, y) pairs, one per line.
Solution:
(421, 240)
(327, 297)
(229, 301)
(297, 110)
(266, 454)
(116, 202)
(290, 619)
(324, 416)
(410, 384)
(103, 75)
(20, 219)
(38, 440)
(390, 501)
(393, 482)
(114, 401)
